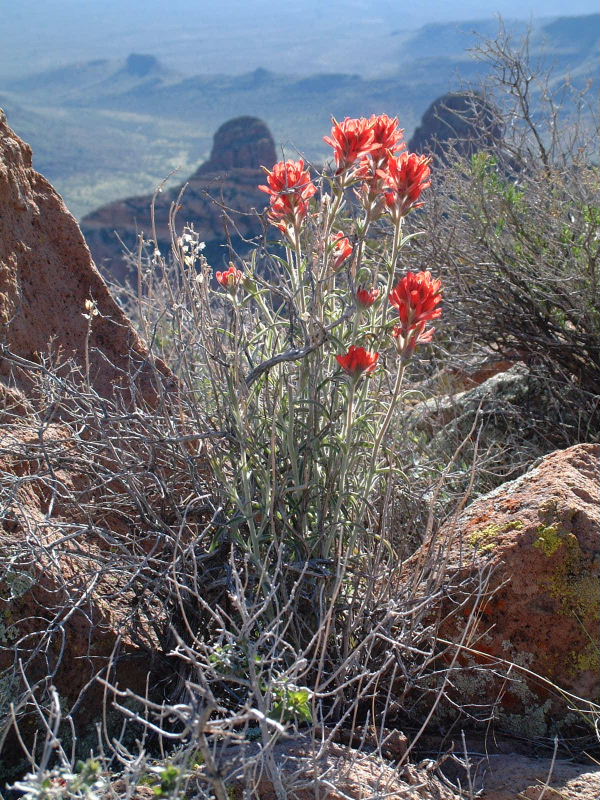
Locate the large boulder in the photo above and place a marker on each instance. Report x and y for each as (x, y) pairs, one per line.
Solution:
(308, 768)
(527, 560)
(225, 186)
(515, 777)
(508, 775)
(46, 277)
(82, 467)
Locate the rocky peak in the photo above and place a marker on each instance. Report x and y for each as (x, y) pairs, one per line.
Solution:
(232, 175)
(465, 119)
(243, 142)
(141, 65)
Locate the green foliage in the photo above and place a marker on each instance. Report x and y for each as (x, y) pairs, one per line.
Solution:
(86, 782)
(169, 779)
(292, 704)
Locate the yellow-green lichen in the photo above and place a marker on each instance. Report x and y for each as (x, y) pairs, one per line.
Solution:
(484, 540)
(550, 539)
(588, 660)
(575, 583)
(531, 724)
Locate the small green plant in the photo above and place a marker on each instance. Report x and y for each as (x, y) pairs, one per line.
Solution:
(292, 703)
(169, 778)
(85, 782)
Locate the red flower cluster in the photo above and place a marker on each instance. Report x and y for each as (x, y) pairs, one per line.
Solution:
(404, 178)
(358, 361)
(290, 187)
(417, 298)
(366, 297)
(230, 279)
(341, 249)
(351, 139)
(387, 135)
(390, 179)
(355, 139)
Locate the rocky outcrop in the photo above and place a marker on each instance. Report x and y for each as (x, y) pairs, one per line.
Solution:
(463, 120)
(241, 143)
(224, 186)
(75, 383)
(46, 277)
(530, 551)
(509, 775)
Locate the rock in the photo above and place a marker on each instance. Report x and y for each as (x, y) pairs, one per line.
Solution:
(72, 528)
(463, 120)
(226, 184)
(241, 143)
(513, 416)
(330, 771)
(516, 777)
(46, 277)
(141, 65)
(509, 385)
(533, 547)
(468, 377)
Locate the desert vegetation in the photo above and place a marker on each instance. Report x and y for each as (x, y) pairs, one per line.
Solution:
(213, 580)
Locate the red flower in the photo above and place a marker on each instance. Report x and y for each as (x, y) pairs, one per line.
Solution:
(341, 249)
(230, 279)
(366, 297)
(417, 298)
(351, 139)
(405, 176)
(407, 341)
(370, 192)
(387, 135)
(358, 360)
(290, 188)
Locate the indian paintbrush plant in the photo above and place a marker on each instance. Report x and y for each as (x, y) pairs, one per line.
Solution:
(301, 354)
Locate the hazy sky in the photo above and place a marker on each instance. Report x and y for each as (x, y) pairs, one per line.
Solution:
(229, 35)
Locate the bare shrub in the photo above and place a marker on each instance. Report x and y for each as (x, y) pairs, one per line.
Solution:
(515, 228)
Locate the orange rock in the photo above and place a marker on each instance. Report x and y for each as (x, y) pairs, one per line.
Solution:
(72, 533)
(46, 277)
(534, 544)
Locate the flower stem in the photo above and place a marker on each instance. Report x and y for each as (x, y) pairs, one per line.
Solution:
(396, 245)
(347, 439)
(380, 437)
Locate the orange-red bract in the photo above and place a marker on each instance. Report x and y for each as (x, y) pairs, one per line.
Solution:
(406, 341)
(417, 297)
(366, 297)
(290, 188)
(351, 139)
(387, 135)
(230, 279)
(341, 250)
(358, 361)
(405, 177)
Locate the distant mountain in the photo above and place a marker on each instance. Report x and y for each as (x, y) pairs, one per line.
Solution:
(111, 128)
(229, 180)
(88, 83)
(237, 36)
